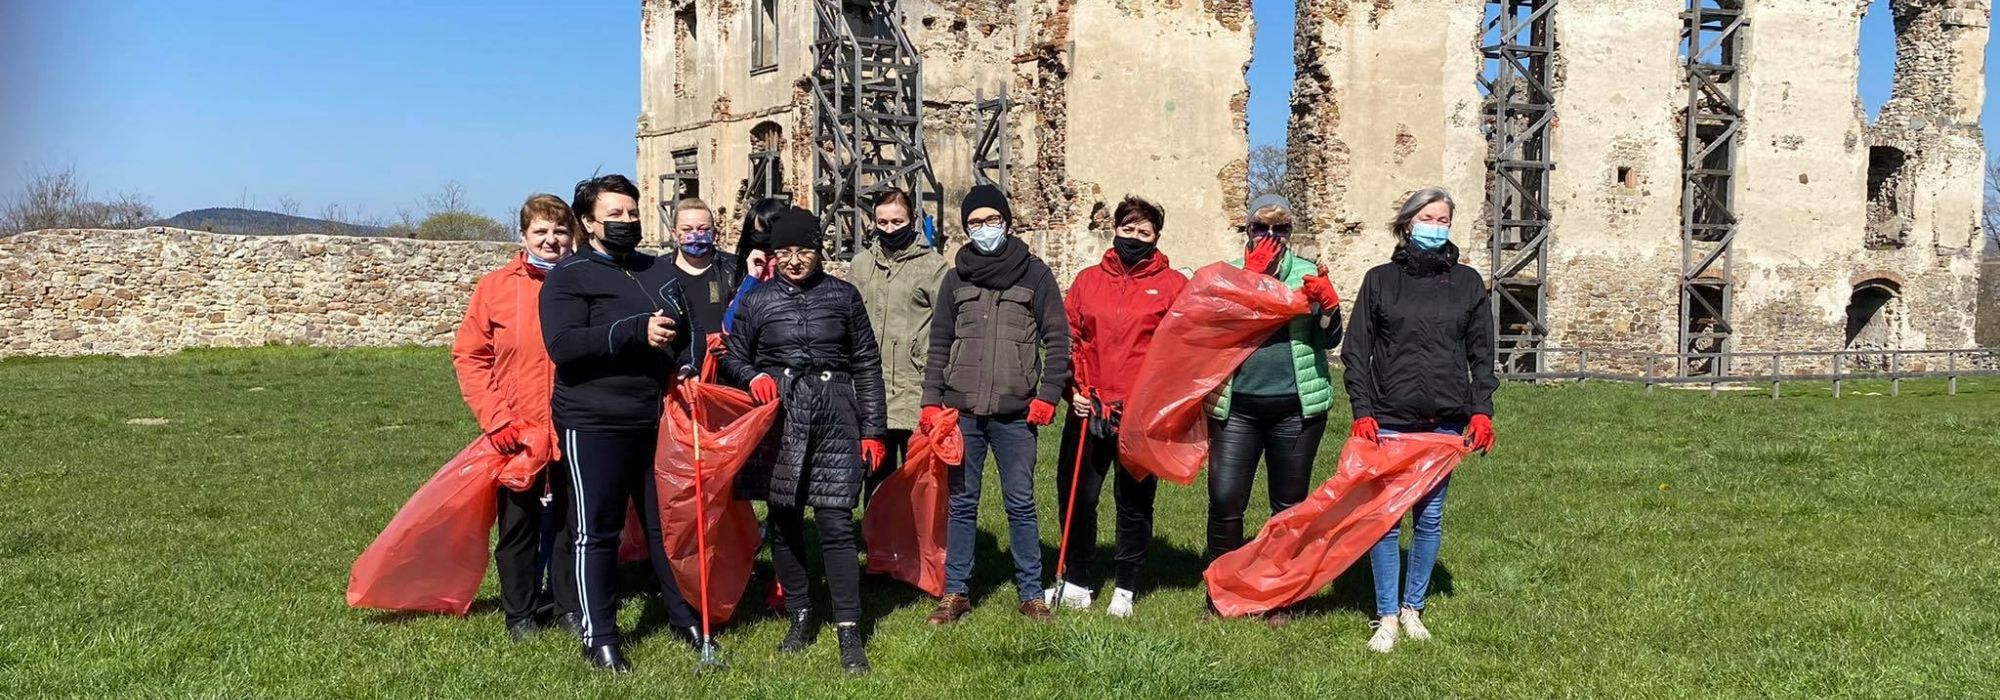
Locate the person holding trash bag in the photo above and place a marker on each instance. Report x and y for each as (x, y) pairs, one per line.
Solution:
(753, 248)
(1274, 407)
(1419, 359)
(615, 323)
(803, 340)
(999, 353)
(898, 275)
(1113, 307)
(505, 375)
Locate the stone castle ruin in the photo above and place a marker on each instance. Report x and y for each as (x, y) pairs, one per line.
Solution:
(1669, 176)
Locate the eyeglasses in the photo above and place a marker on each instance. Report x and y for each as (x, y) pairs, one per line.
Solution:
(1278, 231)
(994, 220)
(800, 255)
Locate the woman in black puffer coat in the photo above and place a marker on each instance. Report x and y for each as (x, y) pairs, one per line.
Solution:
(803, 339)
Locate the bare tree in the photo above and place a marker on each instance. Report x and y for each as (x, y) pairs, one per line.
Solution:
(1267, 171)
(334, 213)
(57, 199)
(449, 199)
(288, 206)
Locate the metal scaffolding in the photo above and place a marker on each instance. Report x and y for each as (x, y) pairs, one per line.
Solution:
(990, 151)
(1519, 47)
(1710, 38)
(867, 100)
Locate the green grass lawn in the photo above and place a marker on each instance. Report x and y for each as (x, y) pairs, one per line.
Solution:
(1616, 545)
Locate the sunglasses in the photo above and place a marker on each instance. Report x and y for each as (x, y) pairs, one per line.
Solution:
(1280, 230)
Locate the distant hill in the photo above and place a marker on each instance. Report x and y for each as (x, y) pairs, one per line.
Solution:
(261, 223)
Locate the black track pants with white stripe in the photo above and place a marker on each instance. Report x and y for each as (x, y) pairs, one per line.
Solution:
(605, 470)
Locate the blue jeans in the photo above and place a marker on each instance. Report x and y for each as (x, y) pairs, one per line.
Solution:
(1427, 532)
(1013, 443)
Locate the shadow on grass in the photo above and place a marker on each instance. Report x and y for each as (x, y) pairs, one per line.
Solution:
(1353, 592)
(394, 617)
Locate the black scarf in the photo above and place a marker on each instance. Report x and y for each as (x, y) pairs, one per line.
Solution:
(997, 271)
(1425, 263)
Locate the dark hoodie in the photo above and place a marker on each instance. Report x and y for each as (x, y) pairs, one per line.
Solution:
(594, 311)
(1419, 350)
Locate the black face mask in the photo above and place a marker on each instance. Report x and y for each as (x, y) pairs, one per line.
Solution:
(898, 238)
(619, 237)
(1133, 251)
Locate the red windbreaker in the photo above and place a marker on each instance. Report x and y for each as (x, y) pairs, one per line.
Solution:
(1112, 315)
(503, 367)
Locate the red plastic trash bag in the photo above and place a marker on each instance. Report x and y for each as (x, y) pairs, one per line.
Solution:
(730, 428)
(1301, 550)
(433, 554)
(632, 540)
(1223, 315)
(904, 527)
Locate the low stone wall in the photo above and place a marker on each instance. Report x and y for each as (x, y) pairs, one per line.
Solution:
(157, 290)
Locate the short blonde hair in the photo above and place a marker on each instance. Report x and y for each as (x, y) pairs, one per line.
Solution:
(1271, 215)
(690, 204)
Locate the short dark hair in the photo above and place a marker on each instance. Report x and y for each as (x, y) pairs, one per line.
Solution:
(760, 216)
(584, 202)
(1135, 209)
(893, 196)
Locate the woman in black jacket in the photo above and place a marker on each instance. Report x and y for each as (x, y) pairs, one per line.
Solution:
(1419, 359)
(804, 339)
(613, 319)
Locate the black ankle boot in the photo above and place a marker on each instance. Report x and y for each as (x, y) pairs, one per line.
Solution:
(608, 657)
(691, 636)
(804, 631)
(853, 649)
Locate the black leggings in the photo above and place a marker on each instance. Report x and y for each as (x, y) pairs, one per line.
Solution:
(1135, 508)
(606, 469)
(837, 550)
(1273, 428)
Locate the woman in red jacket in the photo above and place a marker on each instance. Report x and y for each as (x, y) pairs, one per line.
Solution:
(1114, 307)
(505, 374)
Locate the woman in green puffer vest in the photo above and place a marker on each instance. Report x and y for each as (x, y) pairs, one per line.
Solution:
(1275, 405)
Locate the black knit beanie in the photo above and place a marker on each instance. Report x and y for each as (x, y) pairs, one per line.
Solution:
(795, 227)
(985, 196)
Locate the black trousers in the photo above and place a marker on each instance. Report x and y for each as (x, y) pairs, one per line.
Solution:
(1134, 498)
(606, 469)
(523, 549)
(1273, 428)
(837, 535)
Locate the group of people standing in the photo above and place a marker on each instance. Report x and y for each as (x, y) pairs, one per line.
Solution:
(583, 335)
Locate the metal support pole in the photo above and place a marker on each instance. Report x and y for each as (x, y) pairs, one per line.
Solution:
(1777, 373)
(1951, 366)
(1896, 373)
(1836, 374)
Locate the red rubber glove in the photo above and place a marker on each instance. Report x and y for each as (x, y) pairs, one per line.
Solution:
(1320, 291)
(506, 438)
(872, 452)
(1262, 254)
(1041, 413)
(763, 389)
(1366, 429)
(1479, 434)
(931, 419)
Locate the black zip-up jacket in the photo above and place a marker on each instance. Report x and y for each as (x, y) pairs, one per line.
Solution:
(594, 311)
(1419, 349)
(815, 341)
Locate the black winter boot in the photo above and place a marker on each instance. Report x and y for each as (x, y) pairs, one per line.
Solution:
(803, 632)
(853, 649)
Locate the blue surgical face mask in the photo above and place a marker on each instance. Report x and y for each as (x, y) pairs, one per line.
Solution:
(1429, 236)
(987, 239)
(540, 264)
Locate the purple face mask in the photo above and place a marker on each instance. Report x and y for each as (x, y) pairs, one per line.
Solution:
(698, 243)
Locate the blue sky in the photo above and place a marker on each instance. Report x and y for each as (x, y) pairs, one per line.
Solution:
(371, 104)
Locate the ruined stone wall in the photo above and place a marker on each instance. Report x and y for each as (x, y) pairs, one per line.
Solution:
(157, 290)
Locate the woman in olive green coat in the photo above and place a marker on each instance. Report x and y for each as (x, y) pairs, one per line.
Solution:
(898, 274)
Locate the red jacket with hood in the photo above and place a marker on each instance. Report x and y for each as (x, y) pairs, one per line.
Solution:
(1113, 312)
(502, 364)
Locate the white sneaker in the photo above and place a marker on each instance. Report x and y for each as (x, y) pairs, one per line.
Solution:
(1384, 638)
(1413, 624)
(1074, 597)
(1121, 603)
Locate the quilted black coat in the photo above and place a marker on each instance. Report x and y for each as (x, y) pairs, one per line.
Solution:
(815, 340)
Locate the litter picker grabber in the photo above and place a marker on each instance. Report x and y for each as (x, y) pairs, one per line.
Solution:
(710, 660)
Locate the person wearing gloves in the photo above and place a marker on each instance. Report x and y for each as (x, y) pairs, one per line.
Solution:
(999, 353)
(1274, 407)
(898, 276)
(708, 276)
(613, 320)
(803, 340)
(1113, 307)
(753, 248)
(505, 375)
(1419, 359)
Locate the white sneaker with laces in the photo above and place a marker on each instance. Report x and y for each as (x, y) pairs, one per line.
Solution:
(1074, 597)
(1121, 603)
(1384, 638)
(1413, 624)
